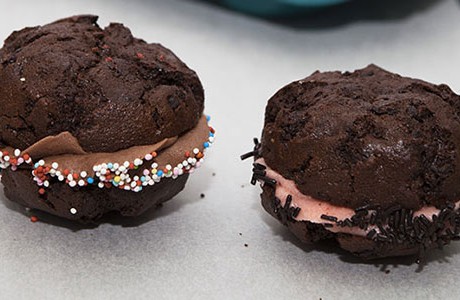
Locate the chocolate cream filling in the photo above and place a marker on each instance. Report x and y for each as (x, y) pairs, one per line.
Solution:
(64, 152)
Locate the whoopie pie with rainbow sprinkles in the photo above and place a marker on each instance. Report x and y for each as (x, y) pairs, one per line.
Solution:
(94, 120)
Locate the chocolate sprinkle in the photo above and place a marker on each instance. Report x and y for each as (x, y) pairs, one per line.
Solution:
(249, 154)
(265, 179)
(348, 223)
(258, 166)
(287, 213)
(363, 208)
(296, 212)
(371, 234)
(259, 172)
(329, 218)
(254, 153)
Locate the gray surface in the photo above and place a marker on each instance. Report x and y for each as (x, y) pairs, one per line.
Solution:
(191, 248)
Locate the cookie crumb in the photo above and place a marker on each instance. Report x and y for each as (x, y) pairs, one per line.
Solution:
(240, 233)
(246, 245)
(202, 195)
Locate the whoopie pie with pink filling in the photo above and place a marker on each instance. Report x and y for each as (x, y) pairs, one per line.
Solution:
(370, 159)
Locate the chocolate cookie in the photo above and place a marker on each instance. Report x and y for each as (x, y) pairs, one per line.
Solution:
(90, 115)
(369, 158)
(108, 89)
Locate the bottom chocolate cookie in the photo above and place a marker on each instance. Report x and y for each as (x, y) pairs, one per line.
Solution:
(89, 203)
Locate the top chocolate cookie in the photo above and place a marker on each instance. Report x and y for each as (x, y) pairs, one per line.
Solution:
(108, 89)
(370, 136)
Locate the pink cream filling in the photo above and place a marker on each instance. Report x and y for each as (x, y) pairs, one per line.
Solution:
(311, 209)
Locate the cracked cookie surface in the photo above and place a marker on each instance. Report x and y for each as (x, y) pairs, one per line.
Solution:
(106, 87)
